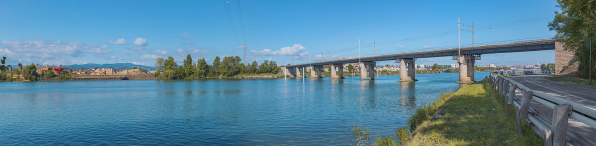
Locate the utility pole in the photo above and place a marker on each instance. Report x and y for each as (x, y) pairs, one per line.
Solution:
(374, 48)
(458, 38)
(472, 34)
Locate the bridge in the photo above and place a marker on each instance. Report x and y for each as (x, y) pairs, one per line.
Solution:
(466, 57)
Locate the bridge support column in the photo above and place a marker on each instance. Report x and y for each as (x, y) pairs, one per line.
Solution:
(313, 72)
(463, 69)
(412, 70)
(337, 71)
(319, 70)
(296, 71)
(367, 70)
(371, 70)
(471, 60)
(404, 71)
(340, 70)
(363, 72)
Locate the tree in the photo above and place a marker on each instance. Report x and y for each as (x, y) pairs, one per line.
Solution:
(202, 68)
(350, 68)
(3, 61)
(48, 74)
(29, 72)
(160, 63)
(188, 67)
(170, 68)
(253, 67)
(435, 66)
(387, 65)
(273, 67)
(575, 25)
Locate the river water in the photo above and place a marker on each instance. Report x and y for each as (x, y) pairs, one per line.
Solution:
(212, 112)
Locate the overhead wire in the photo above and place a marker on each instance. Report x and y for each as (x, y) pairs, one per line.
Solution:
(241, 23)
(231, 19)
(479, 27)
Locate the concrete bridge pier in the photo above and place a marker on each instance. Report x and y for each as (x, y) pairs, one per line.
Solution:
(412, 70)
(466, 68)
(471, 61)
(367, 70)
(337, 71)
(407, 71)
(319, 70)
(295, 71)
(315, 71)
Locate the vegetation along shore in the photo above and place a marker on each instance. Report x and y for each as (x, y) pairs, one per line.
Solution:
(473, 115)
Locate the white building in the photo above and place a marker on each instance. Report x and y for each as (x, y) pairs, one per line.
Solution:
(421, 65)
(454, 65)
(492, 65)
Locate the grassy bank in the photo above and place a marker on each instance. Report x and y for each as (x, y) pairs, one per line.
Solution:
(572, 80)
(473, 115)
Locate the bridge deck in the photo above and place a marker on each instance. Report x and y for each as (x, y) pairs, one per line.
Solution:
(489, 49)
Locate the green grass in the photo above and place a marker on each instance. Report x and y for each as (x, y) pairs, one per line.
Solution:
(572, 80)
(468, 119)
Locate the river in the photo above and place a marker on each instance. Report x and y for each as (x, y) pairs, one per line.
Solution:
(212, 112)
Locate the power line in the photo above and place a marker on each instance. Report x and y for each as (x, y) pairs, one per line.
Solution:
(231, 19)
(477, 27)
(241, 24)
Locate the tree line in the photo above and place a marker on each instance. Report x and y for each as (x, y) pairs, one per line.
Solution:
(228, 67)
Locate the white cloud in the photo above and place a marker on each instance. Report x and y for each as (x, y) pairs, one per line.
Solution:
(140, 41)
(240, 47)
(327, 57)
(128, 52)
(149, 57)
(194, 51)
(162, 52)
(42, 49)
(288, 51)
(118, 42)
(186, 36)
(137, 63)
(6, 52)
(400, 46)
(64, 62)
(140, 48)
(425, 47)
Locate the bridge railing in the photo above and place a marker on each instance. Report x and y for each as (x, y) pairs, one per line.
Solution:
(525, 72)
(526, 40)
(552, 130)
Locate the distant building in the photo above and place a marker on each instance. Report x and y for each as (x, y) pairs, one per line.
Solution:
(492, 65)
(454, 65)
(421, 65)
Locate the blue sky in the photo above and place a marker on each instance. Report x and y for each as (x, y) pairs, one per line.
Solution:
(77, 32)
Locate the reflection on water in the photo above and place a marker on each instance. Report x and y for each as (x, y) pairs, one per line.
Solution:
(408, 94)
(211, 112)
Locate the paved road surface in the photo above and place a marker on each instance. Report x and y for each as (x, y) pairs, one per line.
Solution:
(578, 94)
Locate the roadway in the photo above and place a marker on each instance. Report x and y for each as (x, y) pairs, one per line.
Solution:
(575, 93)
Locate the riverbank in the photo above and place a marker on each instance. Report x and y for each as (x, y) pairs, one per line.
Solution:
(473, 115)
